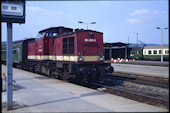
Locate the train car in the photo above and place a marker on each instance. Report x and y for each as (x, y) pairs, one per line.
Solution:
(136, 53)
(62, 53)
(154, 52)
(19, 50)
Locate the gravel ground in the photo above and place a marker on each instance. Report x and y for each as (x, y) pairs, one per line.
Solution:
(139, 88)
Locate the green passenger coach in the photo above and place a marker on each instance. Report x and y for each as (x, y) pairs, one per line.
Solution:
(154, 52)
(19, 51)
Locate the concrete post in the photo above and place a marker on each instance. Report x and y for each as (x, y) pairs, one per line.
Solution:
(162, 48)
(126, 52)
(110, 52)
(9, 67)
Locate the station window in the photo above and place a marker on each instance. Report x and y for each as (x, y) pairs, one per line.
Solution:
(68, 45)
(154, 51)
(149, 52)
(160, 51)
(5, 7)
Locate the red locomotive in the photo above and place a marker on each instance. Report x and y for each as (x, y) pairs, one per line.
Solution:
(60, 52)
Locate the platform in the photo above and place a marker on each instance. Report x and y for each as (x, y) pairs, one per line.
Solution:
(37, 93)
(157, 71)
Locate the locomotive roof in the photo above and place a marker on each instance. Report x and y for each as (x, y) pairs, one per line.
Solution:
(66, 29)
(56, 28)
(82, 30)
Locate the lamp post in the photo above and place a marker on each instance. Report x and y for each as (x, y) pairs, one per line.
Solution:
(162, 42)
(86, 23)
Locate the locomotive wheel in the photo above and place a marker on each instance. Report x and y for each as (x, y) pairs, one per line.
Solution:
(89, 78)
(66, 76)
(84, 78)
(53, 74)
(79, 79)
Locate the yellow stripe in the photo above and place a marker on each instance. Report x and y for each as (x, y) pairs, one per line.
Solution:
(64, 58)
(91, 58)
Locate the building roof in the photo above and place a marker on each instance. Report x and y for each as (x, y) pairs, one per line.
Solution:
(115, 44)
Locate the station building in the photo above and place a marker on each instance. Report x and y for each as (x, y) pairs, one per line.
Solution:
(116, 50)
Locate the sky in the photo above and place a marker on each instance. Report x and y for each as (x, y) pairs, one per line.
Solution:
(120, 21)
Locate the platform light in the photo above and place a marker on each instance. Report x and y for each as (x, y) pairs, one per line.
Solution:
(86, 23)
(162, 42)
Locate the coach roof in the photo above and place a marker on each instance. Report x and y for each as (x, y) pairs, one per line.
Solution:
(155, 47)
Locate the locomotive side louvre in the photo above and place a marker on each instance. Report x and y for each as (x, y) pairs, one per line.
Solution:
(64, 48)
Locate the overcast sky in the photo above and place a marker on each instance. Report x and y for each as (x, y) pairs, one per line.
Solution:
(118, 20)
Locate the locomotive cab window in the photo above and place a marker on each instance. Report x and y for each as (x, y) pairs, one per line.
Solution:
(41, 35)
(68, 45)
(51, 34)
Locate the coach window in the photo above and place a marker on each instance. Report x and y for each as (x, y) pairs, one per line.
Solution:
(144, 52)
(154, 51)
(166, 51)
(160, 51)
(149, 52)
(3, 52)
(14, 51)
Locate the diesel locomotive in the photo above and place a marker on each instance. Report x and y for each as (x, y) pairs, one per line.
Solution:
(64, 53)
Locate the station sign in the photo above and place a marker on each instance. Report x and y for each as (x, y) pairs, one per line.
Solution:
(13, 11)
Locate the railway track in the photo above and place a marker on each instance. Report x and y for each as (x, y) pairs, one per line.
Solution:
(134, 95)
(141, 79)
(146, 89)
